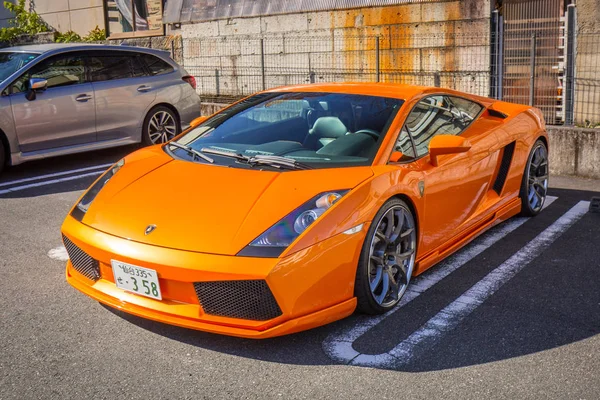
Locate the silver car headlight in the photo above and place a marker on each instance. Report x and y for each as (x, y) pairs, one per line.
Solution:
(278, 237)
(84, 204)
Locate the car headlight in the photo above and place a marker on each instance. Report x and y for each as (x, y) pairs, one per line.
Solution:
(278, 237)
(84, 204)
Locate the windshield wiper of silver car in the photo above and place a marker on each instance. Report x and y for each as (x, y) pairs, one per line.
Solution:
(191, 151)
(270, 160)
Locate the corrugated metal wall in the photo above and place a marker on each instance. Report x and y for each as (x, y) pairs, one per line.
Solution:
(203, 10)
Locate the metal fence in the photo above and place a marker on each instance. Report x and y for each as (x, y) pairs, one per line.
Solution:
(523, 66)
(234, 67)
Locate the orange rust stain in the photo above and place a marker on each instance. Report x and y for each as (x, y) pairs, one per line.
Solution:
(413, 37)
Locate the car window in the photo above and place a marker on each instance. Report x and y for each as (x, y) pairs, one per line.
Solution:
(11, 62)
(111, 65)
(278, 110)
(60, 70)
(439, 115)
(324, 130)
(155, 65)
(405, 146)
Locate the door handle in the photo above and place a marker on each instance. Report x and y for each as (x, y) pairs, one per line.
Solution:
(83, 97)
(144, 88)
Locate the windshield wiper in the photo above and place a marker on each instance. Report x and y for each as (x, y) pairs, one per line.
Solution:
(191, 151)
(261, 159)
(278, 162)
(224, 153)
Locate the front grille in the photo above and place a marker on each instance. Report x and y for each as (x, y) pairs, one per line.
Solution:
(251, 299)
(82, 262)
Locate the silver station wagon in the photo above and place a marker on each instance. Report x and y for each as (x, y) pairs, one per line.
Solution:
(63, 99)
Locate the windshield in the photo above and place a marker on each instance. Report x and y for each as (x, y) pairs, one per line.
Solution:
(12, 62)
(318, 130)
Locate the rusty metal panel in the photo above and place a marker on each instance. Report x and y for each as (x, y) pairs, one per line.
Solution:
(204, 10)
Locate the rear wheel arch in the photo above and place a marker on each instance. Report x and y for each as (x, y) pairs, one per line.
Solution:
(409, 202)
(5, 156)
(169, 106)
(543, 139)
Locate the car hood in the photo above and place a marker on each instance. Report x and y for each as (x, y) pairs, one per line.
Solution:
(202, 207)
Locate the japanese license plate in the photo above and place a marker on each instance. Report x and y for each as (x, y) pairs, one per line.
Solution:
(138, 280)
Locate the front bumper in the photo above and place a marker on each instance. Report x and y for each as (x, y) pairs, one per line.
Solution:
(312, 287)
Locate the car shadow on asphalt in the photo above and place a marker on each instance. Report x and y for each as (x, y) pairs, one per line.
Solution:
(59, 174)
(553, 302)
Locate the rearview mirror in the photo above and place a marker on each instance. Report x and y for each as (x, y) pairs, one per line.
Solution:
(197, 121)
(447, 144)
(35, 85)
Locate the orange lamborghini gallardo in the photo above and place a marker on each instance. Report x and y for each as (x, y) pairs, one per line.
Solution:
(297, 206)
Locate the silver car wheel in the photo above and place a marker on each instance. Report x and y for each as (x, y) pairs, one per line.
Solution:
(162, 127)
(537, 177)
(392, 256)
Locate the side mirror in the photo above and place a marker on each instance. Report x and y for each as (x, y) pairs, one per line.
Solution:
(396, 156)
(447, 144)
(35, 85)
(197, 121)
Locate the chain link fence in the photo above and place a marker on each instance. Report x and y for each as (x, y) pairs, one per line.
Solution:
(229, 68)
(522, 67)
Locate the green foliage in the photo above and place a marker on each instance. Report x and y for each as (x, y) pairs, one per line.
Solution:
(95, 35)
(29, 23)
(23, 22)
(66, 37)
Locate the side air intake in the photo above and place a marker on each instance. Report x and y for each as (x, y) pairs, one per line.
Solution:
(507, 156)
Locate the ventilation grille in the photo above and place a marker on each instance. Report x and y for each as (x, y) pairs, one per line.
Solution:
(82, 262)
(507, 156)
(250, 299)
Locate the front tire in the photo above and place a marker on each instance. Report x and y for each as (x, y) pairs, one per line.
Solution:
(160, 125)
(534, 185)
(387, 259)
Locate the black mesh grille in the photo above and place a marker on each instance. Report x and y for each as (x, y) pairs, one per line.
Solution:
(250, 299)
(82, 262)
(504, 167)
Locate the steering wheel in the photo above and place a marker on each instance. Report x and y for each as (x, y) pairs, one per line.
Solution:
(373, 133)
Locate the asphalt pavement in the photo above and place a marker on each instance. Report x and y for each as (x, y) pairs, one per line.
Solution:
(516, 314)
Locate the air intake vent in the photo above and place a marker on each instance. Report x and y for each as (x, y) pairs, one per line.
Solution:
(507, 156)
(82, 262)
(250, 299)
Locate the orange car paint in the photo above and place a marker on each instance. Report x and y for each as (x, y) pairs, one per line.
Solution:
(313, 279)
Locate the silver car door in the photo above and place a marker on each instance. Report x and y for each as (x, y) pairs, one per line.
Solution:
(62, 115)
(122, 92)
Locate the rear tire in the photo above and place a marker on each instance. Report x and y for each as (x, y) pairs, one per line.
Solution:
(160, 125)
(387, 258)
(534, 185)
(2, 156)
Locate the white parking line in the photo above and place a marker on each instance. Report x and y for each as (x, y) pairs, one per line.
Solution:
(50, 182)
(338, 346)
(448, 318)
(59, 253)
(36, 178)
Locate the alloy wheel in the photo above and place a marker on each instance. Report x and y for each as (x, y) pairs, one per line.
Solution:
(392, 256)
(162, 127)
(537, 177)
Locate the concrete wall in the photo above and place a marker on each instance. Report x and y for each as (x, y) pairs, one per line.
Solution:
(416, 40)
(80, 16)
(574, 151)
(587, 64)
